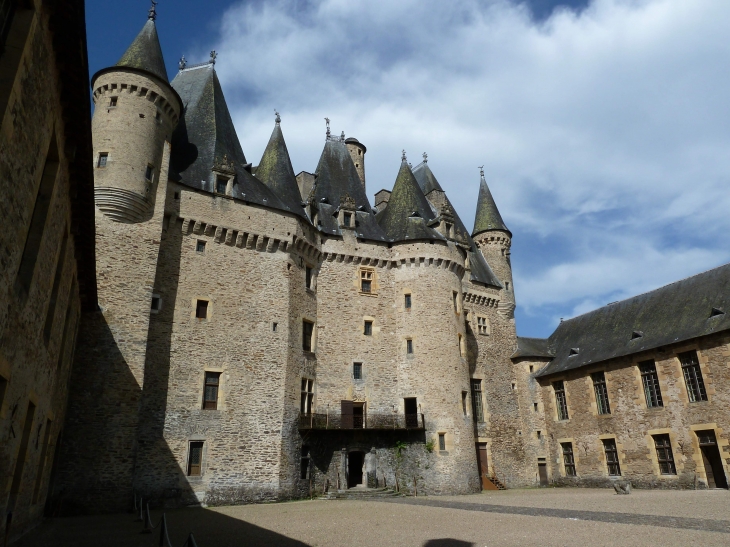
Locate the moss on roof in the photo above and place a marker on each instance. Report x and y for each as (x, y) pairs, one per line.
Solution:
(487, 217)
(145, 52)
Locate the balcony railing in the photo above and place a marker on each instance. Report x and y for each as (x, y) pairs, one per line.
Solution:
(382, 421)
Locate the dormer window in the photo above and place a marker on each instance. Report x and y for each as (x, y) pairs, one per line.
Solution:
(716, 311)
(636, 334)
(347, 219)
(221, 184)
(449, 230)
(573, 351)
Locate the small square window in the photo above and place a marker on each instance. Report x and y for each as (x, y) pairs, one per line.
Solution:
(201, 309)
(200, 246)
(442, 442)
(220, 185)
(195, 459)
(409, 346)
(357, 371)
(156, 303)
(408, 301)
(113, 102)
(103, 159)
(149, 172)
(368, 330)
(274, 327)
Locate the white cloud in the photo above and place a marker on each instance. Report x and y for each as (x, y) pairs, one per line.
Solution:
(604, 134)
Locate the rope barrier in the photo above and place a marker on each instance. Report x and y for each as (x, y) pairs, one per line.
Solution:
(144, 515)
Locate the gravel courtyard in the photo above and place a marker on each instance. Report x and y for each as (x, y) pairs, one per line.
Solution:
(545, 517)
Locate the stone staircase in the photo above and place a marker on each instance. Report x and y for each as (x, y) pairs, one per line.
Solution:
(360, 493)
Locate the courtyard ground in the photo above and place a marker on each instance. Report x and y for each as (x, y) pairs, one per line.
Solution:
(545, 517)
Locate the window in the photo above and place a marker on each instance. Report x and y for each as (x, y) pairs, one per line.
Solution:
(482, 325)
(568, 459)
(461, 345)
(113, 102)
(455, 296)
(407, 303)
(560, 400)
(307, 331)
(664, 455)
(274, 326)
(538, 434)
(531, 367)
(609, 447)
(357, 371)
(650, 381)
(693, 376)
(442, 442)
(51, 311)
(346, 219)
(210, 394)
(534, 407)
(42, 462)
(200, 246)
(307, 396)
(464, 396)
(449, 229)
(476, 400)
(366, 281)
(409, 346)
(156, 304)
(506, 285)
(308, 274)
(221, 184)
(148, 172)
(304, 463)
(103, 159)
(176, 195)
(599, 387)
(368, 328)
(201, 309)
(34, 236)
(195, 459)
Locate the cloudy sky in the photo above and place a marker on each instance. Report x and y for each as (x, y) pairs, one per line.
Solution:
(602, 124)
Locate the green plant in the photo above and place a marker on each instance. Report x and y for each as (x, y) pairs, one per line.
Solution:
(430, 445)
(400, 446)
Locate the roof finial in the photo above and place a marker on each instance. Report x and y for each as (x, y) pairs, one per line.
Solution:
(152, 14)
(327, 121)
(213, 57)
(278, 118)
(425, 157)
(403, 156)
(481, 171)
(342, 137)
(182, 63)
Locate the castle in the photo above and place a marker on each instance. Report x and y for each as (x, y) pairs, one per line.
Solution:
(244, 333)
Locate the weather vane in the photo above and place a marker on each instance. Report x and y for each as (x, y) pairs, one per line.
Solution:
(213, 57)
(425, 157)
(278, 118)
(481, 170)
(182, 63)
(327, 121)
(152, 14)
(403, 156)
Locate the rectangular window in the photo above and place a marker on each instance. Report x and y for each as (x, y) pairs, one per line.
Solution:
(210, 397)
(357, 371)
(201, 309)
(368, 328)
(693, 376)
(304, 463)
(307, 331)
(534, 407)
(42, 462)
(455, 296)
(482, 326)
(148, 172)
(156, 304)
(464, 396)
(51, 311)
(408, 301)
(308, 274)
(560, 401)
(442, 442)
(38, 221)
(113, 102)
(220, 185)
(346, 219)
(599, 387)
(200, 246)
(664, 455)
(307, 396)
(274, 326)
(650, 381)
(476, 400)
(366, 281)
(609, 447)
(568, 459)
(409, 346)
(103, 158)
(195, 459)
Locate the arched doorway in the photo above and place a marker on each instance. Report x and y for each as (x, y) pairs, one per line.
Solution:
(355, 461)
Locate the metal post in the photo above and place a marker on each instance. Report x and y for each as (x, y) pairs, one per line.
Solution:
(147, 520)
(164, 538)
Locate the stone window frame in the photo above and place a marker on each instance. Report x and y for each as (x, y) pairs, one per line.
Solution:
(561, 459)
(484, 329)
(310, 278)
(456, 302)
(412, 352)
(448, 443)
(591, 389)
(153, 309)
(677, 453)
(313, 341)
(640, 398)
(203, 457)
(307, 393)
(723, 445)
(554, 398)
(360, 362)
(704, 364)
(221, 402)
(485, 407)
(107, 159)
(374, 286)
(209, 312)
(620, 451)
(461, 340)
(407, 296)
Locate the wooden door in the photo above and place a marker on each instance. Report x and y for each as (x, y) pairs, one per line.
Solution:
(542, 471)
(483, 466)
(711, 459)
(347, 414)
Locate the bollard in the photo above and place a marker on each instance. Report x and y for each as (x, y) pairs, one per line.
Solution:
(191, 541)
(147, 521)
(164, 538)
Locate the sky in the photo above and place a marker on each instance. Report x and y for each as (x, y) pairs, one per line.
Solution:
(602, 125)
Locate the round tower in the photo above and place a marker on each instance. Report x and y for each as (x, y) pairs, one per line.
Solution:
(135, 112)
(494, 240)
(357, 153)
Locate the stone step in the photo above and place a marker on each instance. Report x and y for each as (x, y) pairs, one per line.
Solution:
(361, 493)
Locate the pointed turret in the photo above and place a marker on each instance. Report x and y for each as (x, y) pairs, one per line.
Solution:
(275, 169)
(145, 52)
(487, 217)
(409, 212)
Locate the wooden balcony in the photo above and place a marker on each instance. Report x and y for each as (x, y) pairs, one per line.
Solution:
(366, 421)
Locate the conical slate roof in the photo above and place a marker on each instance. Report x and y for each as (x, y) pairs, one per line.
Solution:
(487, 217)
(426, 179)
(408, 212)
(276, 172)
(206, 139)
(145, 52)
(337, 179)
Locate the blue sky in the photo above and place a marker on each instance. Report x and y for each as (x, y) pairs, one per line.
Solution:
(602, 124)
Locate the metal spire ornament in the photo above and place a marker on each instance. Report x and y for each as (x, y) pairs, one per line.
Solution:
(152, 14)
(425, 157)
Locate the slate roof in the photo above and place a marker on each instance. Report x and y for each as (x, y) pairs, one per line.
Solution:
(205, 137)
(408, 212)
(487, 217)
(532, 347)
(673, 313)
(275, 171)
(145, 52)
(336, 178)
(479, 269)
(426, 179)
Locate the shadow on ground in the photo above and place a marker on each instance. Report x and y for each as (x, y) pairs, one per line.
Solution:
(447, 542)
